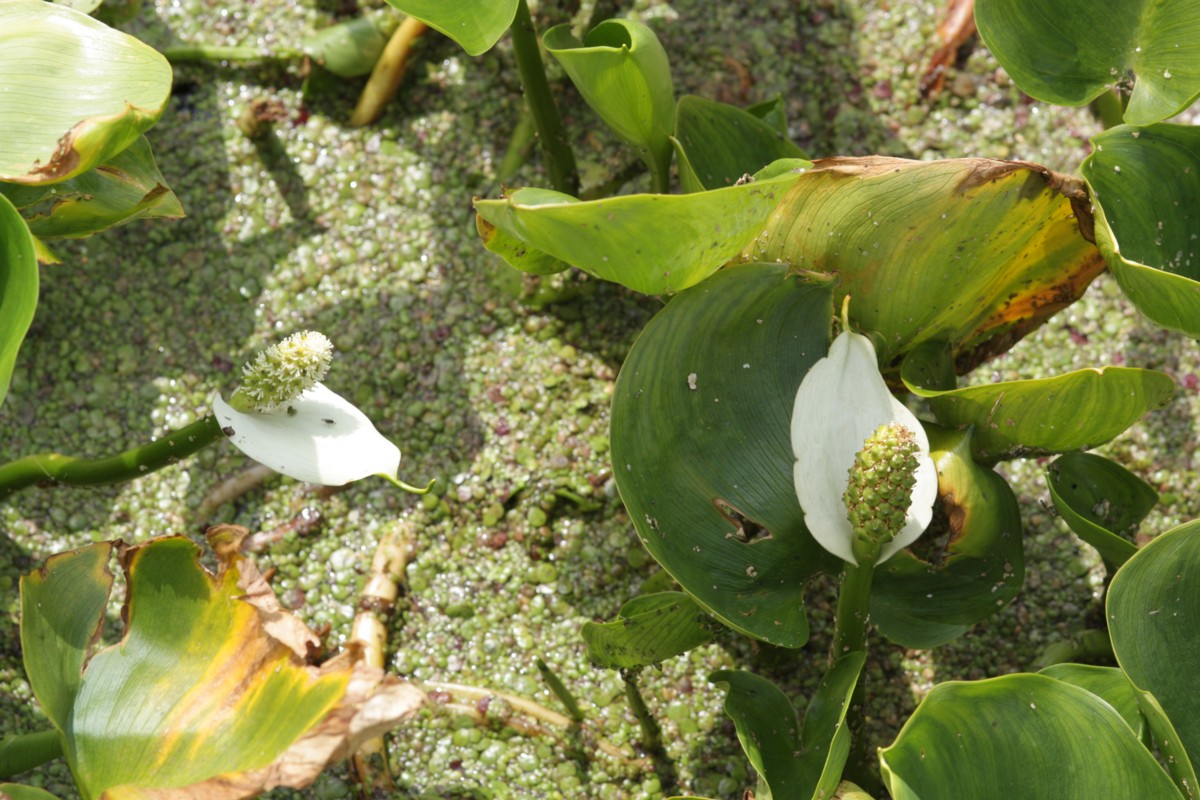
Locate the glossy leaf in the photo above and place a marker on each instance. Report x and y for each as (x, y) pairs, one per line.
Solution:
(652, 243)
(125, 188)
(718, 144)
(1168, 744)
(18, 288)
(79, 92)
(1154, 620)
(1146, 191)
(1019, 736)
(968, 566)
(700, 445)
(350, 49)
(208, 688)
(1069, 52)
(475, 25)
(648, 630)
(972, 252)
(794, 761)
(622, 71)
(1107, 683)
(1076, 411)
(1101, 502)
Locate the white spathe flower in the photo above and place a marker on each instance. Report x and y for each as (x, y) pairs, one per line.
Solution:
(318, 437)
(841, 402)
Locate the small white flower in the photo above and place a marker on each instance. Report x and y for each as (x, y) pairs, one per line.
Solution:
(318, 437)
(841, 402)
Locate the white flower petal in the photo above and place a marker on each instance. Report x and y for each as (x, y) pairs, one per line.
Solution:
(327, 440)
(841, 401)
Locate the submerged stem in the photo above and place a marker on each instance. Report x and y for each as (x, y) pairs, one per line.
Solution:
(218, 53)
(133, 463)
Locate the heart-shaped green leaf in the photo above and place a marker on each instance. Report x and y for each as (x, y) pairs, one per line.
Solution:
(1069, 52)
(623, 73)
(18, 288)
(1146, 191)
(701, 450)
(652, 243)
(648, 630)
(208, 688)
(77, 91)
(718, 144)
(1019, 736)
(973, 252)
(793, 761)
(1101, 501)
(968, 566)
(125, 188)
(1107, 683)
(1154, 620)
(1076, 411)
(475, 24)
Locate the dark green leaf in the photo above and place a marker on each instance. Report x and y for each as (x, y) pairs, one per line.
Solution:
(648, 629)
(14, 791)
(1069, 52)
(701, 448)
(1146, 191)
(718, 144)
(1107, 683)
(1020, 736)
(1154, 619)
(1101, 501)
(968, 566)
(1168, 744)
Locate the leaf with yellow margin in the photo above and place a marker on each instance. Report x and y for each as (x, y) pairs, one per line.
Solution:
(972, 251)
(208, 693)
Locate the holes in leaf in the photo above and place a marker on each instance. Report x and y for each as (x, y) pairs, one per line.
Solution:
(745, 530)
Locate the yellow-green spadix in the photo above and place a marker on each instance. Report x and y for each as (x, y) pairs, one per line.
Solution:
(843, 401)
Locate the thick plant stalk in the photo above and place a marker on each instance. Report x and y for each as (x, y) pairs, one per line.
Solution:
(560, 159)
(369, 631)
(389, 71)
(211, 53)
(134, 463)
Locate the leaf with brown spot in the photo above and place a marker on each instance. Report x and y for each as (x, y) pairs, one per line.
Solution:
(208, 694)
(974, 252)
(77, 92)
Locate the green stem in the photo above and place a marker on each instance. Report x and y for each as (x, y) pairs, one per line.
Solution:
(560, 690)
(133, 463)
(1110, 108)
(854, 600)
(850, 634)
(652, 741)
(560, 159)
(210, 53)
(22, 752)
